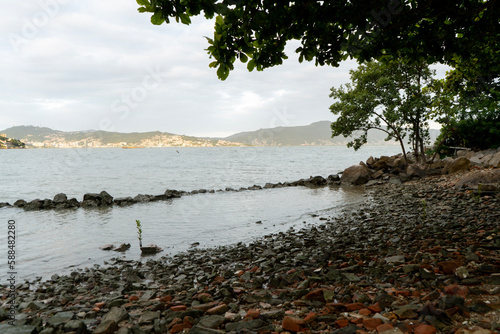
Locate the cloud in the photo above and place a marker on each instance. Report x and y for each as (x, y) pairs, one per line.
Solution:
(80, 64)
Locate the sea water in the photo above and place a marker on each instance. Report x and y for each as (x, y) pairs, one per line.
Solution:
(58, 241)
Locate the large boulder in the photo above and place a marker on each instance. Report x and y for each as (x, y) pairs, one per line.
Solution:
(459, 164)
(484, 177)
(495, 160)
(356, 175)
(416, 171)
(383, 162)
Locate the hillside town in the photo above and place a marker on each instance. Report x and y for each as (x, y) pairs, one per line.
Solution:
(163, 140)
(10, 143)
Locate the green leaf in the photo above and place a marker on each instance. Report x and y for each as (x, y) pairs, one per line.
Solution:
(212, 64)
(251, 65)
(185, 19)
(219, 20)
(143, 2)
(142, 9)
(157, 18)
(223, 72)
(243, 58)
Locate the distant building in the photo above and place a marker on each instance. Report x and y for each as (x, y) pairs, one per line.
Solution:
(3, 135)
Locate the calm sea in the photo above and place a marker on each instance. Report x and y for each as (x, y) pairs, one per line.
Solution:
(49, 242)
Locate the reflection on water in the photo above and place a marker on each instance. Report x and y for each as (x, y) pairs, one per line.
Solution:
(56, 241)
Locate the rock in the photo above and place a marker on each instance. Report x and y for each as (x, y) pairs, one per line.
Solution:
(4, 204)
(397, 259)
(425, 329)
(124, 201)
(72, 203)
(395, 180)
(356, 175)
(60, 198)
(116, 314)
(212, 321)
(148, 317)
(372, 323)
(383, 162)
(107, 247)
(219, 309)
(143, 198)
(416, 171)
(459, 164)
(485, 177)
(122, 248)
(5, 328)
(172, 194)
(347, 330)
(494, 161)
(243, 325)
(371, 161)
(481, 307)
(106, 327)
(462, 272)
(35, 204)
(333, 178)
(60, 318)
(106, 199)
(20, 203)
(76, 326)
(151, 249)
(316, 181)
(199, 329)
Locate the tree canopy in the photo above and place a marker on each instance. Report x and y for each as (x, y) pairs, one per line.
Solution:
(390, 97)
(256, 31)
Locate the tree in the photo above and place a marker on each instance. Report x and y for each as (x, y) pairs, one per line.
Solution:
(467, 106)
(256, 31)
(390, 93)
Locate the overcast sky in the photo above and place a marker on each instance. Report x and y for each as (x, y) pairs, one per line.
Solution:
(76, 65)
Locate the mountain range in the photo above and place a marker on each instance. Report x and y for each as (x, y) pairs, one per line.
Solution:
(318, 133)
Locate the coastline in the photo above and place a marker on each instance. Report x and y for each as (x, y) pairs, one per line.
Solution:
(420, 255)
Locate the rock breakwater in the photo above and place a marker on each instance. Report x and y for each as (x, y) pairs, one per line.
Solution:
(420, 257)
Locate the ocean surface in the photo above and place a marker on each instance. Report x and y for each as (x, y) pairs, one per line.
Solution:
(49, 242)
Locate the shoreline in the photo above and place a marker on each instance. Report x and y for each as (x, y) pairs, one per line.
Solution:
(420, 255)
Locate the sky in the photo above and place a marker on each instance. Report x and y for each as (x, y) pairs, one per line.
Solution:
(76, 65)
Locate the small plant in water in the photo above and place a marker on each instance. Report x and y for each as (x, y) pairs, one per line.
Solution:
(139, 231)
(424, 209)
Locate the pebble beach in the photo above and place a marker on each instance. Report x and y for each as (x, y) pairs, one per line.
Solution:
(417, 257)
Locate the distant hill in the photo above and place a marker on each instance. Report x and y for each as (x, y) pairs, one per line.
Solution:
(45, 137)
(318, 133)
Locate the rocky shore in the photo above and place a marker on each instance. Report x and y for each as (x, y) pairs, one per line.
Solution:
(417, 257)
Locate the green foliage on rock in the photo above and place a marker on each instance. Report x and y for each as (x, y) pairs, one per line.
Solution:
(390, 97)
(256, 32)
